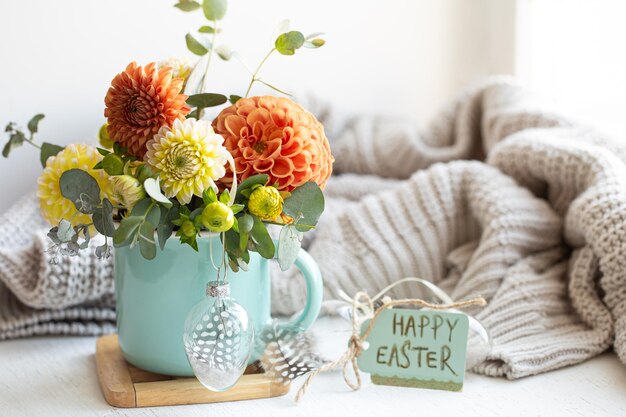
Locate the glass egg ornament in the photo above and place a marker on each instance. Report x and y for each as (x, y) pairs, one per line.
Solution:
(218, 338)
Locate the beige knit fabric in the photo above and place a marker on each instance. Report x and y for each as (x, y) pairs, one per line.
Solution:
(537, 228)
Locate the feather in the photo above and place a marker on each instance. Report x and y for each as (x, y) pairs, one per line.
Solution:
(287, 354)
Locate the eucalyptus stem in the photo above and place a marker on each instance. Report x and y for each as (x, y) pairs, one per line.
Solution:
(32, 143)
(203, 84)
(256, 72)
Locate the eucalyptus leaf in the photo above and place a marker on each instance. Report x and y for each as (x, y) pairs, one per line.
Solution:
(214, 9)
(15, 141)
(198, 47)
(231, 243)
(224, 52)
(245, 223)
(207, 29)
(102, 219)
(206, 100)
(306, 205)
(48, 150)
(166, 227)
(113, 164)
(287, 43)
(124, 235)
(289, 243)
(33, 124)
(248, 183)
(80, 188)
(262, 241)
(153, 189)
(65, 233)
(314, 43)
(103, 252)
(233, 98)
(188, 5)
(147, 244)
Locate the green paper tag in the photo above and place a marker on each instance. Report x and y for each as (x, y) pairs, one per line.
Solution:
(416, 348)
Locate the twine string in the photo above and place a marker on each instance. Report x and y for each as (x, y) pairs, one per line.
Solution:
(363, 302)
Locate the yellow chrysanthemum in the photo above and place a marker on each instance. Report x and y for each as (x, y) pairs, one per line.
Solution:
(266, 203)
(189, 158)
(54, 206)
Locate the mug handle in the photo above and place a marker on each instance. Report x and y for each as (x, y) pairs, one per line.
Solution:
(314, 289)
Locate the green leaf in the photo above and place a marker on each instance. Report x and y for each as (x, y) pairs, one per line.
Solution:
(198, 47)
(143, 173)
(188, 5)
(248, 183)
(166, 225)
(306, 204)
(208, 29)
(262, 241)
(33, 124)
(103, 152)
(48, 150)
(209, 196)
(80, 188)
(225, 197)
(142, 207)
(15, 141)
(243, 239)
(147, 245)
(231, 243)
(314, 43)
(245, 223)
(214, 9)
(113, 164)
(287, 43)
(289, 243)
(206, 100)
(236, 208)
(102, 219)
(124, 235)
(153, 189)
(234, 98)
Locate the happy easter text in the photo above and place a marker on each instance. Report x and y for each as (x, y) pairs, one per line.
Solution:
(434, 328)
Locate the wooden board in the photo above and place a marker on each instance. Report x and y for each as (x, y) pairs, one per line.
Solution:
(126, 386)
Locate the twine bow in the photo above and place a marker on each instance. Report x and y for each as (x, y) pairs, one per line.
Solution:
(362, 302)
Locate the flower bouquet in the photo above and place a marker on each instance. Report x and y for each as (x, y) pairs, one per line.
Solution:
(165, 171)
(162, 168)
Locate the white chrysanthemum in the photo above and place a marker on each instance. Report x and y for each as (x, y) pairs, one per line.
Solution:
(189, 158)
(181, 67)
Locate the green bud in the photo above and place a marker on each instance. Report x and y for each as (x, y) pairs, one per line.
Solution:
(103, 137)
(188, 228)
(218, 217)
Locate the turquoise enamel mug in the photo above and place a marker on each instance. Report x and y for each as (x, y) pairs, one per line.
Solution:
(155, 296)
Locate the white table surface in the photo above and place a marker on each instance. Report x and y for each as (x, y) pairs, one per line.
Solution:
(56, 376)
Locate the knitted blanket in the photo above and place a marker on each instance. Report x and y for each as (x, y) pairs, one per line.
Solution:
(499, 197)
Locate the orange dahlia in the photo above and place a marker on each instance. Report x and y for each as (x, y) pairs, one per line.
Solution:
(140, 101)
(275, 136)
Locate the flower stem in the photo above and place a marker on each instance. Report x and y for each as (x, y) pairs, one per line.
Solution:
(203, 84)
(256, 72)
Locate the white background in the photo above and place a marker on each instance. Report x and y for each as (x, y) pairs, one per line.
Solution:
(398, 57)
